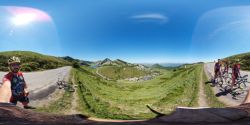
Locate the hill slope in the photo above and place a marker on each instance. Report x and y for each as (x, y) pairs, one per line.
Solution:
(127, 100)
(109, 62)
(244, 60)
(32, 61)
(121, 72)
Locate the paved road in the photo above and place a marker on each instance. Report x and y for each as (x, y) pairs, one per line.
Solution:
(42, 83)
(228, 98)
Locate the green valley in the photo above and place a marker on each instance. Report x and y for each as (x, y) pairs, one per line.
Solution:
(127, 100)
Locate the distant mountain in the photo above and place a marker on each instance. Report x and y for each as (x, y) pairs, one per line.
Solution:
(120, 62)
(106, 61)
(163, 65)
(87, 63)
(109, 62)
(157, 66)
(171, 64)
(70, 59)
(81, 62)
(244, 60)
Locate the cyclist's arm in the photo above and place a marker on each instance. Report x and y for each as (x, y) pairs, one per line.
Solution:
(25, 87)
(5, 91)
(25, 84)
(239, 72)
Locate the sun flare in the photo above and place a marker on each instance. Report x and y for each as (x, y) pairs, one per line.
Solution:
(23, 19)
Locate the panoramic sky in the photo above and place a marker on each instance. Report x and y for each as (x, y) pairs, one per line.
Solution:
(139, 31)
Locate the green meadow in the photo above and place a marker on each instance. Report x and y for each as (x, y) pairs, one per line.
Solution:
(128, 100)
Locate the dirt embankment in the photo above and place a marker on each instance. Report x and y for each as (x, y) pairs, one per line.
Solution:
(189, 116)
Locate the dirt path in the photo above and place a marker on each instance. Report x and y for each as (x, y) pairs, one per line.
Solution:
(104, 77)
(202, 96)
(74, 103)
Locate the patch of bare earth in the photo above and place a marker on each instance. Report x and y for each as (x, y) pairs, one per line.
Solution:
(202, 96)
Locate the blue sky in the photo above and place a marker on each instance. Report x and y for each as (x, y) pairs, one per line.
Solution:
(140, 31)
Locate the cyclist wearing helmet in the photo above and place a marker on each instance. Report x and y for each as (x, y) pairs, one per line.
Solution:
(235, 72)
(14, 81)
(217, 68)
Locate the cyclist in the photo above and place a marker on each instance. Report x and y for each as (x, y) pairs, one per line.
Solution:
(217, 68)
(235, 72)
(226, 66)
(15, 83)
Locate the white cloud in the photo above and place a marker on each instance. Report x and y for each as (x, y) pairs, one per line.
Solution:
(151, 16)
(228, 26)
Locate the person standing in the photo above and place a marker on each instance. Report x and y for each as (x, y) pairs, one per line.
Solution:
(15, 85)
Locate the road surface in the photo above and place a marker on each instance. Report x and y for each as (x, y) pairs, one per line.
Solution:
(42, 83)
(227, 98)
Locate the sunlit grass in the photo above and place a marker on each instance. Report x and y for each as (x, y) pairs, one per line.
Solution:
(119, 100)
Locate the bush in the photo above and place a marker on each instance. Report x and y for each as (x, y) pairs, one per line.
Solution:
(76, 65)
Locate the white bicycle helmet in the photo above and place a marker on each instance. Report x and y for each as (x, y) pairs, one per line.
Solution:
(14, 59)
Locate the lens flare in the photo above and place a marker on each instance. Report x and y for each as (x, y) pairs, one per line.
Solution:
(23, 15)
(23, 19)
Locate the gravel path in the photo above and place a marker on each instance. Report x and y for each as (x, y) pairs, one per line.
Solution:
(202, 97)
(225, 98)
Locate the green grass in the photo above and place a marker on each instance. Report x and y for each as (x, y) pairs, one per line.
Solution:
(32, 61)
(243, 58)
(212, 100)
(121, 72)
(59, 106)
(62, 104)
(121, 100)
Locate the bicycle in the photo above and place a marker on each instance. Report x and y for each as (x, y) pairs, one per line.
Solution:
(241, 82)
(240, 87)
(227, 79)
(218, 80)
(66, 86)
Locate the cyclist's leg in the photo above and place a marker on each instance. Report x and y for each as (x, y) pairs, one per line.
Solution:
(233, 80)
(215, 74)
(13, 100)
(24, 100)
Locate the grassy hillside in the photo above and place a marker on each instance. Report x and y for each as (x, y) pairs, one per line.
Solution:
(120, 100)
(244, 60)
(32, 61)
(121, 72)
(158, 66)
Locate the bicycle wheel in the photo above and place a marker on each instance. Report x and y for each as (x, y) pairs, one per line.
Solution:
(219, 81)
(239, 93)
(242, 85)
(59, 83)
(227, 80)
